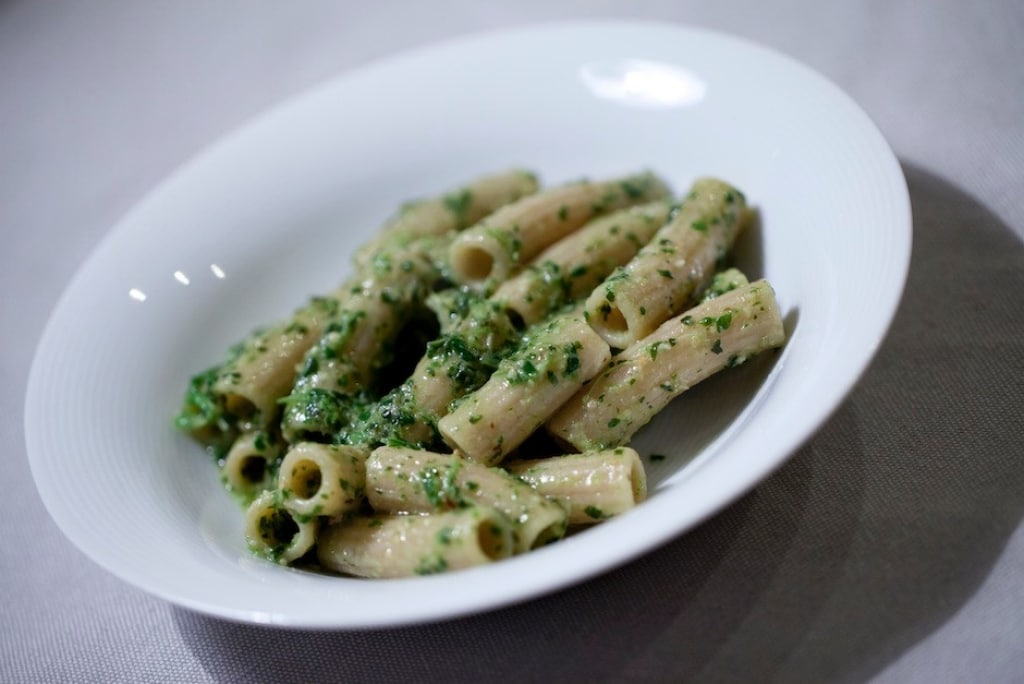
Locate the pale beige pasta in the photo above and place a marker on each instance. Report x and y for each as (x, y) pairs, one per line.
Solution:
(452, 211)
(401, 480)
(276, 533)
(323, 479)
(678, 262)
(490, 251)
(596, 485)
(246, 468)
(516, 300)
(557, 358)
(370, 315)
(724, 281)
(452, 368)
(572, 267)
(719, 333)
(406, 545)
(263, 370)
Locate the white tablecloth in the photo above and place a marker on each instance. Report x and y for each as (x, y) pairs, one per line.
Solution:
(890, 548)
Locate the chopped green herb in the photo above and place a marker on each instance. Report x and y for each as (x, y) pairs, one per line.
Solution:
(458, 203)
(431, 565)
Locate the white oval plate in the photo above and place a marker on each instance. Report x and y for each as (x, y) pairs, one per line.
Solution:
(270, 214)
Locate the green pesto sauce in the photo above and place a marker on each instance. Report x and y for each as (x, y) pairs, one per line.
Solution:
(459, 204)
(431, 564)
(315, 413)
(441, 487)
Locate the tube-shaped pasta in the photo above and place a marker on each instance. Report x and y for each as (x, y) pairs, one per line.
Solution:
(554, 361)
(572, 267)
(247, 468)
(459, 362)
(401, 480)
(490, 251)
(663, 278)
(356, 342)
(241, 394)
(276, 533)
(452, 211)
(323, 479)
(724, 281)
(719, 333)
(596, 484)
(405, 545)
(476, 334)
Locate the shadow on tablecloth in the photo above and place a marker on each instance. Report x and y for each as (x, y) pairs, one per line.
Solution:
(868, 540)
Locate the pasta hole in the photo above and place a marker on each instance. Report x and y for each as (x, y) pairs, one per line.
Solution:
(615, 322)
(253, 469)
(304, 479)
(277, 528)
(516, 319)
(237, 405)
(476, 263)
(493, 540)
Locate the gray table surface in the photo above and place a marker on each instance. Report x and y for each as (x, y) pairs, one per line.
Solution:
(890, 548)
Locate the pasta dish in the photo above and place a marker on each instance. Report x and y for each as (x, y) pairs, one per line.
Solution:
(470, 391)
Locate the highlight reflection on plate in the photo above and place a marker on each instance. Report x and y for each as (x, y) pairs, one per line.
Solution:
(269, 215)
(640, 83)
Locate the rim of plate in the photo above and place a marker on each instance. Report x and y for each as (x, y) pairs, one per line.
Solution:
(477, 592)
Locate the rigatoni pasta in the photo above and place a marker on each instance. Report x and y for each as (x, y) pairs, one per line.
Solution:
(402, 480)
(397, 425)
(572, 267)
(552, 363)
(401, 545)
(595, 485)
(490, 251)
(447, 213)
(662, 279)
(723, 332)
(323, 479)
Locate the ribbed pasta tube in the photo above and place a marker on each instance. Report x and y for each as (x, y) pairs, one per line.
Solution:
(355, 343)
(554, 361)
(664, 277)
(719, 333)
(401, 480)
(491, 250)
(473, 340)
(572, 267)
(243, 392)
(597, 484)
(323, 479)
(405, 545)
(247, 468)
(276, 533)
(452, 211)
